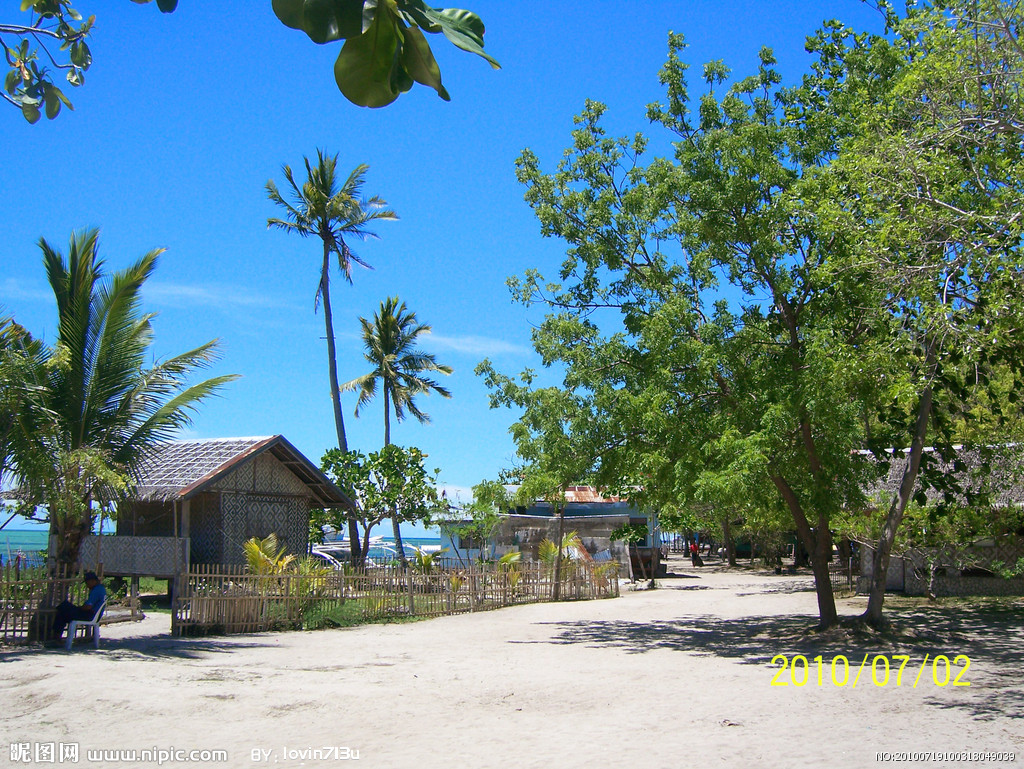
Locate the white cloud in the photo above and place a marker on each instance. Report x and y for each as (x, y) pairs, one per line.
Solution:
(475, 345)
(224, 297)
(12, 288)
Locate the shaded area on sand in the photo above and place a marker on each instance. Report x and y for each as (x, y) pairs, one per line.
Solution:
(163, 646)
(994, 636)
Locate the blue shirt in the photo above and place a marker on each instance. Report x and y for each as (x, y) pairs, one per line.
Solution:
(97, 595)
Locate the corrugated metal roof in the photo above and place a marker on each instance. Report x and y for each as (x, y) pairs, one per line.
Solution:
(581, 494)
(588, 494)
(181, 469)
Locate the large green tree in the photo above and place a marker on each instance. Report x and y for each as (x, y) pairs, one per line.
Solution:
(929, 178)
(401, 370)
(698, 320)
(816, 270)
(93, 407)
(557, 440)
(330, 210)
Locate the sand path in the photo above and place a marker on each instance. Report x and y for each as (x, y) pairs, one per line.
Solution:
(674, 677)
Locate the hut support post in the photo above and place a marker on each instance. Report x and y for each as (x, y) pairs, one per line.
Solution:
(133, 600)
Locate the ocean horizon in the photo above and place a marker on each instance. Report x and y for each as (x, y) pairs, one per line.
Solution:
(29, 544)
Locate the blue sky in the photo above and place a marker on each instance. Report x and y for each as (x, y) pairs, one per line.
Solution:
(185, 117)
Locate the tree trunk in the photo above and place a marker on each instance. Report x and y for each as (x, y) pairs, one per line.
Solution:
(883, 552)
(395, 523)
(365, 554)
(332, 372)
(815, 544)
(730, 543)
(69, 543)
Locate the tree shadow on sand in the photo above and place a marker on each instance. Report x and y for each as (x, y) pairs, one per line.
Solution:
(992, 638)
(162, 646)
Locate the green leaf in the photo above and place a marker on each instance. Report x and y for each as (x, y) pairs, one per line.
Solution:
(289, 12)
(467, 20)
(75, 77)
(62, 97)
(329, 20)
(167, 6)
(80, 54)
(416, 12)
(464, 29)
(52, 103)
(11, 81)
(418, 60)
(365, 67)
(31, 112)
(324, 21)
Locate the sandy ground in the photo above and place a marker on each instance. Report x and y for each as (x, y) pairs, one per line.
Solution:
(675, 677)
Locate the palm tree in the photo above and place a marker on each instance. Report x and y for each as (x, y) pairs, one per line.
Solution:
(322, 209)
(390, 342)
(16, 363)
(91, 410)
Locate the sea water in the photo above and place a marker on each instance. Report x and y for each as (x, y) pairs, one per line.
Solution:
(28, 545)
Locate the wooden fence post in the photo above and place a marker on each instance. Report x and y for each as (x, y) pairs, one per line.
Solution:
(412, 595)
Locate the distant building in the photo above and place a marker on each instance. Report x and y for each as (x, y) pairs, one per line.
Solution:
(588, 512)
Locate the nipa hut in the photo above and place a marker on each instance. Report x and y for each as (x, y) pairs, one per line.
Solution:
(198, 501)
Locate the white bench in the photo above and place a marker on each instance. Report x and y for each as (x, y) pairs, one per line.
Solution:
(93, 623)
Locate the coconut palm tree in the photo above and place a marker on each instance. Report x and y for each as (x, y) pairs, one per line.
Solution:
(92, 408)
(323, 209)
(18, 356)
(390, 343)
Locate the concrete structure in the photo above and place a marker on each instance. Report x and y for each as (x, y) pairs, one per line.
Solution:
(592, 515)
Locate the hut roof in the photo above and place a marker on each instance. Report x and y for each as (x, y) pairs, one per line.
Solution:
(579, 494)
(1001, 480)
(179, 470)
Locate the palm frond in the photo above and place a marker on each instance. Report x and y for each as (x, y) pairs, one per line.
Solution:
(389, 346)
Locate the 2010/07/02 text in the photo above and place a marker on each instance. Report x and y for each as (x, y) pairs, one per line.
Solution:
(885, 670)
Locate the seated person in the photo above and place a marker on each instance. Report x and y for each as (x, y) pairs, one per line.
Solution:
(67, 611)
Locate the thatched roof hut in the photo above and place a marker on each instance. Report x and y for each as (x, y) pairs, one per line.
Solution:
(218, 493)
(993, 475)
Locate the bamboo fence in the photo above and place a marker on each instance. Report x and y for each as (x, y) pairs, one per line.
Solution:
(222, 599)
(29, 599)
(228, 599)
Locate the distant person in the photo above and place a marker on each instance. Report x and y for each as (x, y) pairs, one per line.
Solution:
(695, 554)
(67, 611)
